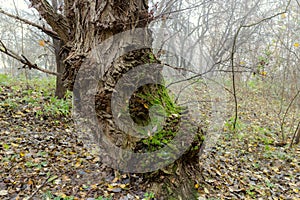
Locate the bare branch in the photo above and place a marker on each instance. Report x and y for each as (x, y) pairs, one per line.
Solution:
(233, 51)
(298, 3)
(164, 14)
(286, 113)
(23, 60)
(51, 33)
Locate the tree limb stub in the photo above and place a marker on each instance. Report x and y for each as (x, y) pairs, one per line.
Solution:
(57, 21)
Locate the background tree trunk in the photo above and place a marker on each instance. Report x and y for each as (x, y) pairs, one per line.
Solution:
(297, 138)
(60, 89)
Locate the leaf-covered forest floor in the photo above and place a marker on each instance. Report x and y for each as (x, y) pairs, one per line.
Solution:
(41, 158)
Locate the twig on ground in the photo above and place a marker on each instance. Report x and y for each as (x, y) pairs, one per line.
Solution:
(40, 187)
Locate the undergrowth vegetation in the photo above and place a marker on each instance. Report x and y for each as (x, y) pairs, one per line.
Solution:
(38, 146)
(35, 96)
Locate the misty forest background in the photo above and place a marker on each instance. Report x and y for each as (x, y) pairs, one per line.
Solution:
(254, 50)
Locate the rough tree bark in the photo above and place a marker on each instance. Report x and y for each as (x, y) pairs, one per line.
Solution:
(82, 26)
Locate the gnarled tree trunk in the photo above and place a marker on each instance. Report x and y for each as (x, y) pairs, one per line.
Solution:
(83, 26)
